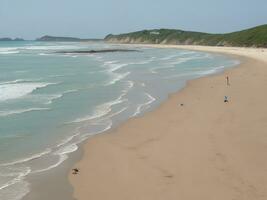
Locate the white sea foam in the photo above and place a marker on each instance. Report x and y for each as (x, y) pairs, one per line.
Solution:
(117, 77)
(153, 70)
(211, 71)
(19, 189)
(115, 67)
(61, 159)
(177, 61)
(100, 110)
(70, 91)
(9, 52)
(85, 136)
(110, 62)
(53, 97)
(104, 109)
(179, 75)
(58, 47)
(20, 111)
(141, 62)
(19, 176)
(62, 153)
(15, 187)
(10, 172)
(19, 81)
(146, 104)
(67, 140)
(61, 75)
(112, 67)
(66, 149)
(14, 81)
(197, 73)
(10, 136)
(4, 49)
(45, 99)
(156, 69)
(187, 52)
(143, 84)
(117, 113)
(30, 158)
(44, 54)
(98, 58)
(22, 81)
(48, 99)
(169, 57)
(18, 90)
(56, 76)
(181, 60)
(12, 183)
(130, 85)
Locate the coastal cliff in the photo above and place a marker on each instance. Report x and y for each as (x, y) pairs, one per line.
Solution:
(254, 37)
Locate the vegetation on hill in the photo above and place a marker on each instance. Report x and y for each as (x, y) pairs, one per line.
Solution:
(254, 37)
(48, 38)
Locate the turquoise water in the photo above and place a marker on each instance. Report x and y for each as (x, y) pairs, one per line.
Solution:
(50, 102)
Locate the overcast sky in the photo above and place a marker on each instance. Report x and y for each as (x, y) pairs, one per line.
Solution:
(96, 18)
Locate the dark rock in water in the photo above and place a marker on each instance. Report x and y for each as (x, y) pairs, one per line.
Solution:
(98, 51)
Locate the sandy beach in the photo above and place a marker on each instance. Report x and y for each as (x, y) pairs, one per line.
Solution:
(204, 149)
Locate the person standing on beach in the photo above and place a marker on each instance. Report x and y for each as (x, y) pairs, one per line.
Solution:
(227, 81)
(226, 99)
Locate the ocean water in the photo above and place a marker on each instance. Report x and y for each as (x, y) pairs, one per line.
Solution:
(50, 102)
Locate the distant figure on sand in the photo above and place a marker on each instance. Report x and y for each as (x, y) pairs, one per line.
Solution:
(226, 99)
(227, 80)
(75, 171)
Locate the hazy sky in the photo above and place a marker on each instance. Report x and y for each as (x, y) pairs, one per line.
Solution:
(97, 18)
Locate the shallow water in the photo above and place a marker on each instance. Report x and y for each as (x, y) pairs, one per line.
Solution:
(50, 102)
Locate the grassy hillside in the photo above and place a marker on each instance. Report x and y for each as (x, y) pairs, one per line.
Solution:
(48, 38)
(254, 37)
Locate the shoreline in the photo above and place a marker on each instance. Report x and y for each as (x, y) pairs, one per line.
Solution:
(42, 184)
(132, 159)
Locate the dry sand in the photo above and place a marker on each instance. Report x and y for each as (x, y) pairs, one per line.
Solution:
(204, 150)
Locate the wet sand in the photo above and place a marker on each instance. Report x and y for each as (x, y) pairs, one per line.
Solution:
(194, 146)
